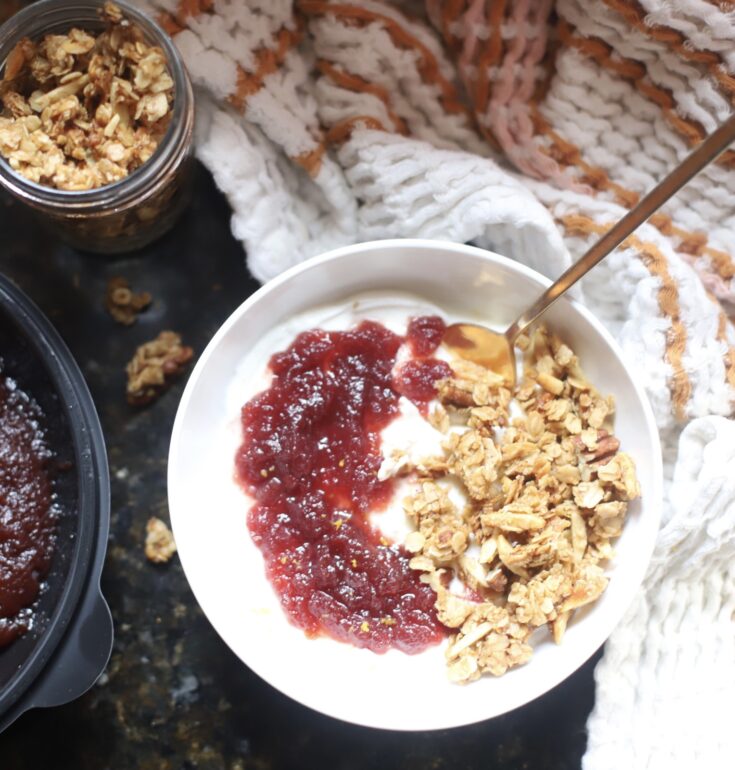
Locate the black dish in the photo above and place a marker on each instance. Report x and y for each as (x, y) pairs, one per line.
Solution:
(69, 645)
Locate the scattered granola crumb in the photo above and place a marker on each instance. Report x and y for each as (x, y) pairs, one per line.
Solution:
(122, 303)
(159, 541)
(547, 491)
(154, 365)
(83, 110)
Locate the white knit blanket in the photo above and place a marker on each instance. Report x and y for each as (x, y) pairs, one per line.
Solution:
(526, 127)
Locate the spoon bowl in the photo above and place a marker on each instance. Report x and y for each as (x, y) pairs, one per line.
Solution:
(483, 346)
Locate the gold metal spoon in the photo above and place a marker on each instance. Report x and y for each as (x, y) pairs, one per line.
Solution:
(497, 350)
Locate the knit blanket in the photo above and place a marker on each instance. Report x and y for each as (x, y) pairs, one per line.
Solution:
(527, 127)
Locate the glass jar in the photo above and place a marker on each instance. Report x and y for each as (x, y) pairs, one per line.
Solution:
(134, 211)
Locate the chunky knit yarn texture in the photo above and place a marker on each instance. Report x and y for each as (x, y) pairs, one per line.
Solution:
(526, 127)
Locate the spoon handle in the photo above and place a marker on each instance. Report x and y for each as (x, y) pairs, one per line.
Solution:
(716, 143)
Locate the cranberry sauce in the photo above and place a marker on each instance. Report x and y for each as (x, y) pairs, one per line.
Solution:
(425, 334)
(415, 378)
(310, 457)
(27, 518)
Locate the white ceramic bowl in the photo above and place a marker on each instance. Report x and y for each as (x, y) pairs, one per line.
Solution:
(226, 571)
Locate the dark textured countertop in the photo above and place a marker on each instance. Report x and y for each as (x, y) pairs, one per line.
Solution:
(173, 695)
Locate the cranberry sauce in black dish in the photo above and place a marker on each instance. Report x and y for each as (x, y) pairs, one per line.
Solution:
(27, 511)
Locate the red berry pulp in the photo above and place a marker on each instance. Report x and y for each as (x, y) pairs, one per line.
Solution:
(27, 515)
(424, 334)
(415, 379)
(310, 457)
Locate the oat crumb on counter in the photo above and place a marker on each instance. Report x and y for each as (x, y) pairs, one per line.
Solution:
(122, 303)
(154, 366)
(159, 541)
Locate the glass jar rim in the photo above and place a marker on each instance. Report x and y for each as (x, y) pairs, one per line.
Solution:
(173, 144)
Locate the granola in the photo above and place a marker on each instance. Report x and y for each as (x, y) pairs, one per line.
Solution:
(154, 365)
(83, 110)
(159, 541)
(548, 491)
(441, 534)
(122, 303)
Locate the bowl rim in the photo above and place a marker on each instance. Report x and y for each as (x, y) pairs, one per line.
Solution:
(651, 430)
(93, 507)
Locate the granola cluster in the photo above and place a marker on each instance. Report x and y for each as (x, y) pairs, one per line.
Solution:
(154, 366)
(83, 110)
(548, 490)
(122, 303)
(159, 541)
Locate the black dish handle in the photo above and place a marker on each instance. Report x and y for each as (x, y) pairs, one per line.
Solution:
(82, 656)
(78, 661)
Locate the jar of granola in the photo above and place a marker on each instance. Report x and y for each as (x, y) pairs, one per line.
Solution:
(96, 122)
